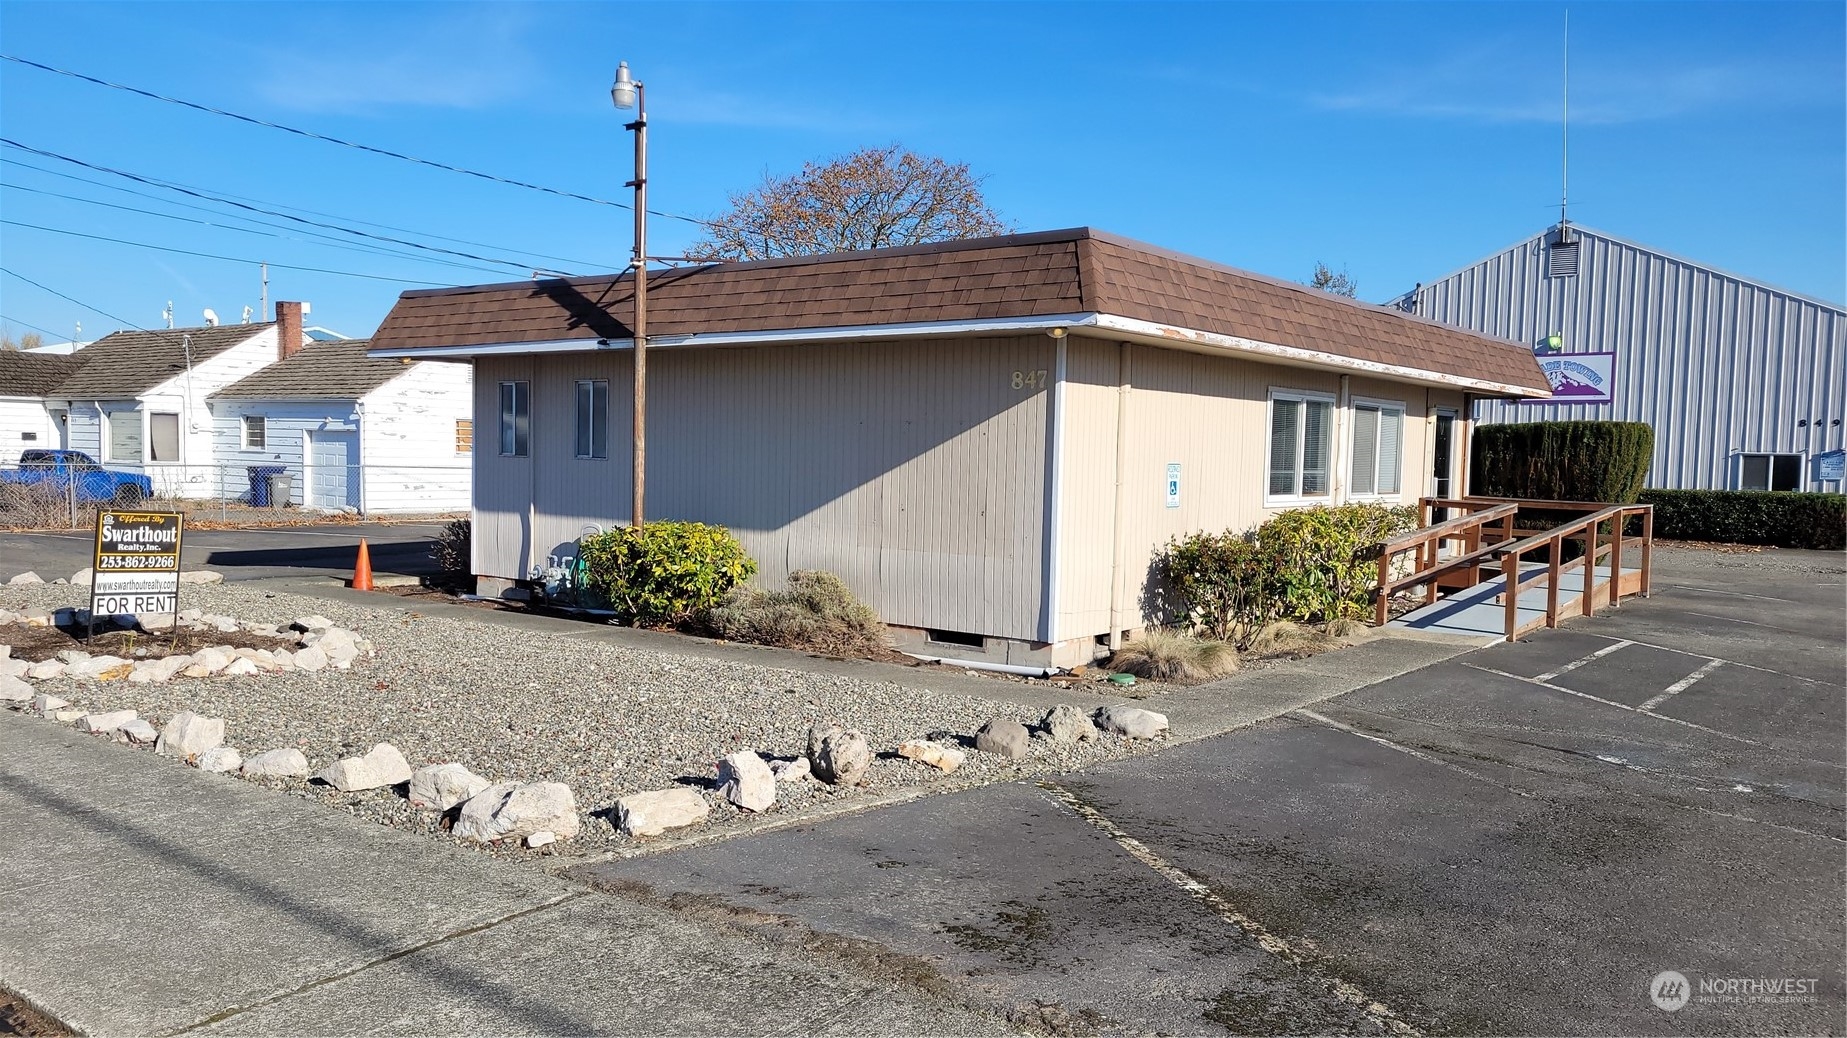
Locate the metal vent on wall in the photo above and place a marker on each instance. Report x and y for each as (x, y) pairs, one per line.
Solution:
(1562, 260)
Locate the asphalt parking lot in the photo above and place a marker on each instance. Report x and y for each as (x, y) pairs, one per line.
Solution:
(1519, 840)
(248, 554)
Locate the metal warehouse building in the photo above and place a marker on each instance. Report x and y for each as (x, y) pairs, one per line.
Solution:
(1743, 382)
(988, 440)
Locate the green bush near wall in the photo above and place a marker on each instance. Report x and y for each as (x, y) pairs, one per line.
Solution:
(665, 572)
(1562, 461)
(1772, 517)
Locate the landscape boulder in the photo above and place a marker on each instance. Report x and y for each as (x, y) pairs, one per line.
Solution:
(138, 730)
(1066, 723)
(14, 690)
(45, 704)
(108, 721)
(510, 811)
(942, 758)
(1132, 722)
(1004, 737)
(442, 786)
(383, 765)
(838, 756)
(101, 668)
(287, 762)
(46, 669)
(745, 780)
(28, 577)
(656, 811)
(220, 759)
(791, 770)
(189, 735)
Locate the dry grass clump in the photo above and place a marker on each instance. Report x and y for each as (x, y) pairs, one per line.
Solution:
(1280, 636)
(1348, 630)
(818, 613)
(1163, 654)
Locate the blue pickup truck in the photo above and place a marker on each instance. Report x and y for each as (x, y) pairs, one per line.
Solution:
(56, 472)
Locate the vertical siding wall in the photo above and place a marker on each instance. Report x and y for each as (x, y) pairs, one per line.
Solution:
(915, 471)
(1717, 365)
(1210, 414)
(407, 441)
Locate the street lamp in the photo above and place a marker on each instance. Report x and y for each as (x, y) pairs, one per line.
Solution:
(628, 93)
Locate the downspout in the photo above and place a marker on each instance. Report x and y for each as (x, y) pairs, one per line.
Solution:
(1467, 422)
(1118, 526)
(359, 434)
(1340, 452)
(1054, 535)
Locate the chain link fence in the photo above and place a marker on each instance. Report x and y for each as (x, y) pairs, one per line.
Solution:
(236, 495)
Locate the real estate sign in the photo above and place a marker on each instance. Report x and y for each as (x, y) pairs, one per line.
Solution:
(1577, 378)
(137, 566)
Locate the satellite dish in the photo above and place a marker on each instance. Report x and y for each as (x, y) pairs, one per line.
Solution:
(211, 318)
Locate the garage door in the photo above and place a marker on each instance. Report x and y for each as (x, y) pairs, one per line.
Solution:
(333, 470)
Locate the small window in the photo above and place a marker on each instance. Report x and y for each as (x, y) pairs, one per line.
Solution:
(124, 436)
(1301, 428)
(1378, 430)
(163, 437)
(593, 419)
(256, 432)
(1770, 472)
(464, 435)
(515, 418)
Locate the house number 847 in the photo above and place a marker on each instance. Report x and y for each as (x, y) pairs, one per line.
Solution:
(1029, 379)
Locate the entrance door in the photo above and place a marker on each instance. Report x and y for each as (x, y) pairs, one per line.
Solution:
(1443, 461)
(333, 470)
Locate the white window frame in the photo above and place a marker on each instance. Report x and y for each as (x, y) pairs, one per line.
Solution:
(1382, 407)
(1770, 470)
(1303, 396)
(262, 428)
(509, 420)
(585, 424)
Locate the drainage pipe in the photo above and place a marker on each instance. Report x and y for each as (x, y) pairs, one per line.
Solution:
(1003, 668)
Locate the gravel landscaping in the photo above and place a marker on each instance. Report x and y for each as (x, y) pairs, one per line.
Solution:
(513, 704)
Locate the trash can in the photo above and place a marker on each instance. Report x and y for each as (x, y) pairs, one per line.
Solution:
(281, 489)
(260, 483)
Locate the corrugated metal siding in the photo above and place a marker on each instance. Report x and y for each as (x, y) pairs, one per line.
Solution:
(1718, 365)
(915, 471)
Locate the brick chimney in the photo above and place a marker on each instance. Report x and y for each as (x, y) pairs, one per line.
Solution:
(288, 328)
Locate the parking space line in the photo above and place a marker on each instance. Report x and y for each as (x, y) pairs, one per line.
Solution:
(1257, 932)
(1612, 702)
(1575, 664)
(1419, 754)
(1682, 685)
(1729, 594)
(1734, 663)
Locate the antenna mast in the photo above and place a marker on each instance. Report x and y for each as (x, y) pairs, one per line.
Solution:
(265, 293)
(1564, 176)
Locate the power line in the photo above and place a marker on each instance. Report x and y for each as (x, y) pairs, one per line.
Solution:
(227, 259)
(252, 120)
(138, 178)
(281, 205)
(68, 299)
(328, 241)
(29, 324)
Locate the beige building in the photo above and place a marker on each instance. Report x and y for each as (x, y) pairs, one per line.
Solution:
(989, 440)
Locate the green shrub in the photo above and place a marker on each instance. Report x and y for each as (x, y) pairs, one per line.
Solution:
(665, 572)
(1562, 461)
(818, 613)
(1750, 517)
(1307, 564)
(1164, 654)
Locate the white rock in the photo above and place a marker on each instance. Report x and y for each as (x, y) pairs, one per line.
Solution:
(69, 714)
(189, 735)
(153, 622)
(509, 811)
(201, 576)
(542, 838)
(82, 576)
(383, 765)
(37, 618)
(746, 781)
(100, 667)
(241, 667)
(13, 690)
(45, 704)
(385, 760)
(108, 721)
(47, 669)
(189, 615)
(1132, 721)
(12, 668)
(28, 577)
(287, 762)
(791, 770)
(943, 758)
(310, 659)
(209, 661)
(656, 811)
(138, 730)
(313, 623)
(220, 759)
(442, 786)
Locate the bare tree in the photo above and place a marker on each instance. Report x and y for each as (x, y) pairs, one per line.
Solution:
(873, 198)
(28, 341)
(1341, 284)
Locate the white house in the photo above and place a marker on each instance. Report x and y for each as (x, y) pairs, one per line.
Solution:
(30, 417)
(351, 432)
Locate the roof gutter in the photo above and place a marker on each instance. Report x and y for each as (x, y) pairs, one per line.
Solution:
(1148, 332)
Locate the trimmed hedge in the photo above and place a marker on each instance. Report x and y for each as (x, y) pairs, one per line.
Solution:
(665, 572)
(1562, 461)
(1778, 518)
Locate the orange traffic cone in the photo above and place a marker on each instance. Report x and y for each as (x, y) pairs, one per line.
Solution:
(362, 569)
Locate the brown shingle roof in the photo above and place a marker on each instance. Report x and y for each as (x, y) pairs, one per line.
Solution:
(337, 370)
(36, 374)
(126, 364)
(1025, 275)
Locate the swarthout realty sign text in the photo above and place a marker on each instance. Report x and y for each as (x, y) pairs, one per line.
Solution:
(137, 566)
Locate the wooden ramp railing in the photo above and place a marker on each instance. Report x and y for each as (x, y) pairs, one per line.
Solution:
(1484, 535)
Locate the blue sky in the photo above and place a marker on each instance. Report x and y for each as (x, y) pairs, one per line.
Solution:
(1400, 141)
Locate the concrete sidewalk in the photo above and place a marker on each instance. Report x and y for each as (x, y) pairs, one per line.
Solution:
(143, 897)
